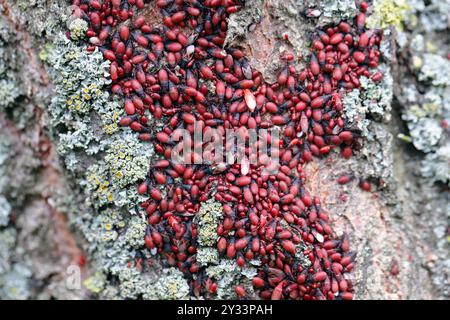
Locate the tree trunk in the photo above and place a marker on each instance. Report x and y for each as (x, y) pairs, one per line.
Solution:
(49, 222)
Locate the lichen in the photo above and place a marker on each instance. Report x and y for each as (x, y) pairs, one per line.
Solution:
(14, 284)
(427, 106)
(207, 256)
(113, 180)
(80, 79)
(425, 91)
(78, 28)
(127, 161)
(436, 166)
(333, 11)
(5, 211)
(103, 160)
(7, 244)
(208, 219)
(228, 275)
(435, 69)
(134, 236)
(170, 286)
(368, 110)
(95, 283)
(388, 13)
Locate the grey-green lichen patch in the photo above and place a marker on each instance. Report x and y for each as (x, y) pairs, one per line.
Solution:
(114, 240)
(430, 15)
(47, 16)
(127, 160)
(5, 211)
(424, 126)
(78, 28)
(435, 69)
(374, 99)
(105, 163)
(10, 89)
(170, 286)
(378, 96)
(81, 80)
(132, 284)
(9, 92)
(333, 11)
(228, 275)
(207, 256)
(114, 179)
(14, 284)
(425, 93)
(368, 111)
(436, 165)
(7, 244)
(134, 236)
(207, 219)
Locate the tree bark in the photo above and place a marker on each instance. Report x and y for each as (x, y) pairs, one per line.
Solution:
(399, 229)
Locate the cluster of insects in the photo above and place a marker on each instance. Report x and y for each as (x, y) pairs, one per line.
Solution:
(178, 70)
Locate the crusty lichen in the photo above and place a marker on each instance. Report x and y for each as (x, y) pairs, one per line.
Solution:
(127, 161)
(426, 101)
(96, 282)
(388, 13)
(333, 11)
(10, 89)
(104, 160)
(170, 286)
(228, 275)
(207, 219)
(436, 165)
(14, 284)
(114, 179)
(78, 28)
(368, 110)
(5, 211)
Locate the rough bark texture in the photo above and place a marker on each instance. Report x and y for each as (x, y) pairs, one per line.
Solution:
(400, 229)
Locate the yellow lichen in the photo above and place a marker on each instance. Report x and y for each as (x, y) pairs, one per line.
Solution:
(388, 13)
(417, 62)
(96, 283)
